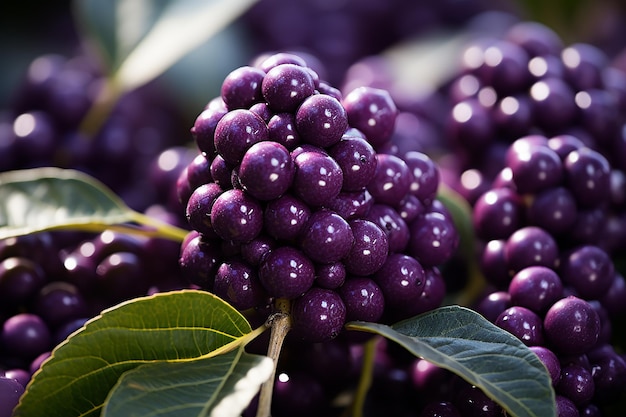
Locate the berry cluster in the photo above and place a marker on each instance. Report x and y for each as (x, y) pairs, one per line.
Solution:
(536, 129)
(533, 134)
(51, 283)
(45, 125)
(289, 199)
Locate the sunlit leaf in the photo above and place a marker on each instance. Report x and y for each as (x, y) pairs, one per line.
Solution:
(141, 39)
(462, 341)
(40, 199)
(220, 386)
(174, 326)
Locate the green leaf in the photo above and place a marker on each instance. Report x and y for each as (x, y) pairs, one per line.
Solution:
(462, 341)
(218, 386)
(40, 199)
(173, 326)
(141, 39)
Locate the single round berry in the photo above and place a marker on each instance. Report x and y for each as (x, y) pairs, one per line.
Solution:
(497, 213)
(242, 87)
(238, 284)
(25, 335)
(392, 179)
(535, 168)
(236, 216)
(433, 239)
(588, 177)
(492, 305)
(373, 112)
(198, 211)
(286, 273)
(530, 246)
(576, 383)
(425, 176)
(554, 210)
(20, 279)
(285, 87)
(550, 361)
(321, 120)
(285, 217)
(363, 299)
(370, 248)
(203, 129)
(523, 323)
(536, 288)
(318, 315)
(357, 160)
(326, 237)
(392, 224)
(266, 170)
(236, 131)
(589, 270)
(318, 178)
(571, 326)
(401, 279)
(199, 260)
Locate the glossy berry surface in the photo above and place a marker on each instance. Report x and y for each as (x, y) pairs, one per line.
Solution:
(326, 237)
(286, 272)
(318, 315)
(571, 326)
(236, 216)
(321, 120)
(266, 170)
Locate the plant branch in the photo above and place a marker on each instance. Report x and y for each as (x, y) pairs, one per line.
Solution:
(280, 323)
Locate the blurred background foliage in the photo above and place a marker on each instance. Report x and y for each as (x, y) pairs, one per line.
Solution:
(337, 32)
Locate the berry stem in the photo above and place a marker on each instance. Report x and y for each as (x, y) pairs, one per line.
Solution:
(365, 380)
(100, 110)
(280, 324)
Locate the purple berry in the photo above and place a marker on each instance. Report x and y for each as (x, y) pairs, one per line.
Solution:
(536, 288)
(242, 87)
(321, 120)
(433, 239)
(236, 131)
(236, 216)
(392, 180)
(401, 279)
(357, 160)
(318, 178)
(550, 361)
(238, 284)
(285, 217)
(25, 335)
(327, 237)
(524, 324)
(318, 315)
(266, 170)
(373, 112)
(10, 392)
(363, 299)
(198, 211)
(571, 326)
(589, 270)
(285, 87)
(370, 248)
(286, 273)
